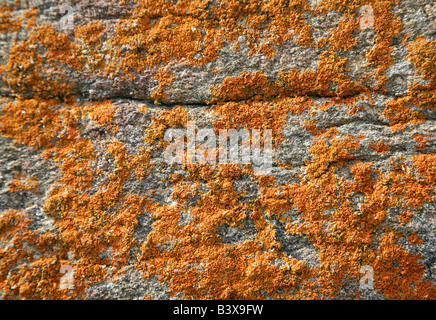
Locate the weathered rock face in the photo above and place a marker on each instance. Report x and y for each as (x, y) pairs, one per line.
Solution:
(346, 87)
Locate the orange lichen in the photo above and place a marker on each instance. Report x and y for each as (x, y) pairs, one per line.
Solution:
(253, 115)
(401, 114)
(341, 38)
(7, 21)
(165, 79)
(421, 141)
(27, 256)
(329, 156)
(245, 86)
(379, 147)
(387, 27)
(28, 72)
(31, 122)
(414, 240)
(422, 53)
(89, 51)
(196, 30)
(101, 113)
(341, 204)
(29, 184)
(311, 127)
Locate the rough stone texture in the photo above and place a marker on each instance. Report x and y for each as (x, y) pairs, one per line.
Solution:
(192, 88)
(192, 84)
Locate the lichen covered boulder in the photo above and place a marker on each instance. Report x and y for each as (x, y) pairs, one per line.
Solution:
(94, 93)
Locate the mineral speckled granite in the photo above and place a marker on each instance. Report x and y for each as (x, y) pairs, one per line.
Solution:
(90, 208)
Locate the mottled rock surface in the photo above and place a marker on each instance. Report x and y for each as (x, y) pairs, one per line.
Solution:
(314, 186)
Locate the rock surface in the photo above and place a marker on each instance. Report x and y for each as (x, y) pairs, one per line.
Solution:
(352, 180)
